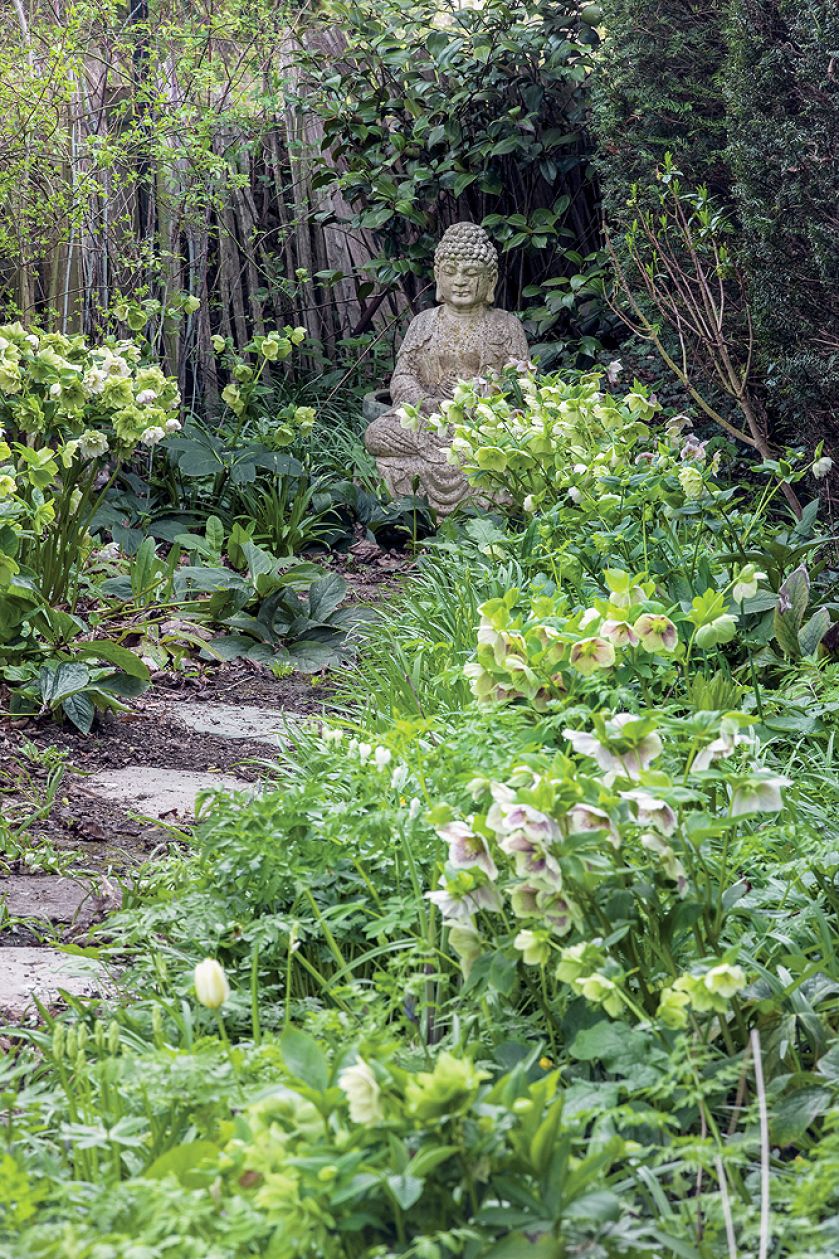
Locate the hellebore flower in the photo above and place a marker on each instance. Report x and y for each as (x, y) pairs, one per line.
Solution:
(534, 949)
(760, 792)
(621, 754)
(590, 654)
(211, 986)
(467, 849)
(725, 980)
(363, 1094)
(651, 812)
(720, 630)
(821, 467)
(657, 633)
(460, 906)
(745, 587)
(730, 738)
(620, 633)
(585, 817)
(673, 1008)
(466, 942)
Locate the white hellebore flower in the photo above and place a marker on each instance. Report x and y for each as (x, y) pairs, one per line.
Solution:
(146, 395)
(173, 426)
(151, 436)
(821, 467)
(363, 1093)
(759, 793)
(382, 757)
(211, 986)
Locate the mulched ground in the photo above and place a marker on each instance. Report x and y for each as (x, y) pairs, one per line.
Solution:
(100, 835)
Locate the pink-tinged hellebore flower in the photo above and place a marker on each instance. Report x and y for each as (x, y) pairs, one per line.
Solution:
(620, 633)
(466, 849)
(629, 761)
(585, 817)
(730, 738)
(759, 793)
(657, 633)
(651, 812)
(459, 907)
(590, 654)
(508, 818)
(531, 859)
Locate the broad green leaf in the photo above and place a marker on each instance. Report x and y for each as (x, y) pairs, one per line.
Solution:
(182, 1162)
(114, 653)
(811, 633)
(80, 710)
(304, 1058)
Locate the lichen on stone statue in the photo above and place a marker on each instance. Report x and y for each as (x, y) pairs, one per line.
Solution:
(463, 338)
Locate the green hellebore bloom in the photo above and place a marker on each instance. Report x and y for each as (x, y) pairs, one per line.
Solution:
(491, 459)
(721, 630)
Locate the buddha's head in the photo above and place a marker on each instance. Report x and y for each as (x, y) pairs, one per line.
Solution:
(466, 268)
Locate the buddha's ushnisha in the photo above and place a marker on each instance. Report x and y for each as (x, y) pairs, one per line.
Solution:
(463, 337)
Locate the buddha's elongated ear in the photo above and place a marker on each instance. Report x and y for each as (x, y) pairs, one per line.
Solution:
(438, 293)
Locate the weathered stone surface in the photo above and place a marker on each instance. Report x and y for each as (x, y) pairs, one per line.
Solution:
(231, 721)
(31, 972)
(460, 339)
(54, 899)
(157, 792)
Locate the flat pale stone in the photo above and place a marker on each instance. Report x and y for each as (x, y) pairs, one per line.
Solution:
(230, 721)
(30, 972)
(158, 792)
(54, 899)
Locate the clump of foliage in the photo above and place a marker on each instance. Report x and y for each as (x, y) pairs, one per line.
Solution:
(509, 957)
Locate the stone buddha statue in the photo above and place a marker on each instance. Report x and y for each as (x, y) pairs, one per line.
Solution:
(463, 337)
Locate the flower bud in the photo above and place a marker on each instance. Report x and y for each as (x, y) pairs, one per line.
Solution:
(211, 986)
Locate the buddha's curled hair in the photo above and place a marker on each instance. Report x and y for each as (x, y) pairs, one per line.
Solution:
(467, 242)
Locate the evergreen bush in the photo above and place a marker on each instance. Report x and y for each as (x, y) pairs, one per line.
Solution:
(782, 83)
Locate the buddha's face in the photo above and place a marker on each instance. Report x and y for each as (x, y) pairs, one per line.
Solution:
(464, 284)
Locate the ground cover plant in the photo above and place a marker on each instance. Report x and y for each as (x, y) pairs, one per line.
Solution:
(530, 946)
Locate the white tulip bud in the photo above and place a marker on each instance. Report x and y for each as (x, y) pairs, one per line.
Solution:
(211, 986)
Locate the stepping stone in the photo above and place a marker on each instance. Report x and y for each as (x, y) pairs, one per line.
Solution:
(231, 721)
(50, 898)
(158, 792)
(28, 972)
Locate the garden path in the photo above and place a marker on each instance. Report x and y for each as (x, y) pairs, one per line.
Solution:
(126, 793)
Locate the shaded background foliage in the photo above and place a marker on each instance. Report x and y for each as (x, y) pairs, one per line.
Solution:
(288, 165)
(745, 94)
